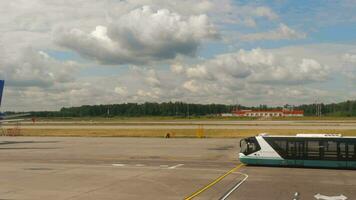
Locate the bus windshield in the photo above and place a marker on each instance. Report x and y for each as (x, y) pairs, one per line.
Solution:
(243, 146)
(249, 145)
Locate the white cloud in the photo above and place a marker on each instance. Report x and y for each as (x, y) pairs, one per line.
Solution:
(283, 32)
(199, 71)
(191, 86)
(141, 36)
(259, 66)
(351, 58)
(121, 90)
(152, 78)
(149, 94)
(177, 68)
(148, 76)
(36, 68)
(349, 66)
(263, 11)
(231, 12)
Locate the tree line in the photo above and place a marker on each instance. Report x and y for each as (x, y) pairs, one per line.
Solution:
(343, 109)
(181, 109)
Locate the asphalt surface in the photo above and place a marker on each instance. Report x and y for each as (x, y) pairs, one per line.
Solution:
(163, 125)
(150, 168)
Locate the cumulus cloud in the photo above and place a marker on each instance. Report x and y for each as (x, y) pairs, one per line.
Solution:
(37, 68)
(199, 71)
(263, 11)
(259, 66)
(141, 36)
(350, 58)
(231, 12)
(191, 86)
(152, 78)
(348, 68)
(177, 68)
(155, 94)
(149, 76)
(283, 32)
(121, 90)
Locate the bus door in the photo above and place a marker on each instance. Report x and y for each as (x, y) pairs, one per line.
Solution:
(351, 154)
(291, 152)
(300, 153)
(342, 154)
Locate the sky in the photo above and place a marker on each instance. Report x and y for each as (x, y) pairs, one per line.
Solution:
(56, 54)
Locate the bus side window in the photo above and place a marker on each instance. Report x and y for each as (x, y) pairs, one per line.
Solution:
(330, 150)
(351, 151)
(313, 150)
(342, 151)
(252, 147)
(291, 150)
(300, 149)
(282, 144)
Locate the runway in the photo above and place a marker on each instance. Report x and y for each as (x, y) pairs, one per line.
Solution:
(150, 168)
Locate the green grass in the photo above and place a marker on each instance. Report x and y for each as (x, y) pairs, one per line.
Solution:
(180, 133)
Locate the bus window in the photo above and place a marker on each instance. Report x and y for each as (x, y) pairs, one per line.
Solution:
(249, 146)
(313, 148)
(243, 146)
(330, 150)
(282, 145)
(252, 146)
(342, 151)
(351, 151)
(291, 147)
(300, 149)
(279, 145)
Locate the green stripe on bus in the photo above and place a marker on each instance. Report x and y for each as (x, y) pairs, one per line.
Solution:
(305, 163)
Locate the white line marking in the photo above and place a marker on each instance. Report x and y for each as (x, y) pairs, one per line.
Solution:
(139, 165)
(324, 197)
(235, 187)
(176, 166)
(118, 165)
(186, 168)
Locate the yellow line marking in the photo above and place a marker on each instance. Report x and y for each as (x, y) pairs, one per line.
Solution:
(213, 183)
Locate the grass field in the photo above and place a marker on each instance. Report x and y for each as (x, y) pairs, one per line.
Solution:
(177, 132)
(190, 133)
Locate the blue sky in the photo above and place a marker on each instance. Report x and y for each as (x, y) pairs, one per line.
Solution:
(208, 51)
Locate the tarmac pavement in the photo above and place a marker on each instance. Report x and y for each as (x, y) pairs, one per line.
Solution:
(150, 168)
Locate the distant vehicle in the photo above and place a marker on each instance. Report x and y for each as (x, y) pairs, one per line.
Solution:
(3, 116)
(304, 150)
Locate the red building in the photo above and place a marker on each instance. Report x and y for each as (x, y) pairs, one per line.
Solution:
(268, 113)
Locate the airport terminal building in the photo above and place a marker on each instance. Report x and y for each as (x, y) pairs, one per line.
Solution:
(268, 113)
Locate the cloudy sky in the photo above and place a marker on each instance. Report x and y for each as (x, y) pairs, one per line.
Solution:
(74, 52)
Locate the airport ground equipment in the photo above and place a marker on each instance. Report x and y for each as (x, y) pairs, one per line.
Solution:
(4, 118)
(304, 150)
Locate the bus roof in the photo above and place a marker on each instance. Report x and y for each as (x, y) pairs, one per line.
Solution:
(310, 135)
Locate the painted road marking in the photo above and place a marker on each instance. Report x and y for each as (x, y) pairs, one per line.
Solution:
(185, 168)
(324, 197)
(176, 166)
(142, 165)
(118, 165)
(235, 187)
(195, 194)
